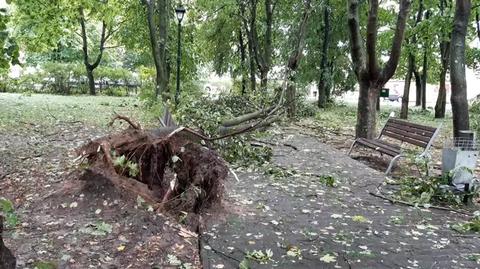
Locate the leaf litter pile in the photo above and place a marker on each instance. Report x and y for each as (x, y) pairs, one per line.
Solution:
(168, 167)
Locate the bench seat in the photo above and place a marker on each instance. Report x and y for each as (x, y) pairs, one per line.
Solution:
(380, 146)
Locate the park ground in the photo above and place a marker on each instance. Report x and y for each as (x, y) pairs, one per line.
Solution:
(298, 220)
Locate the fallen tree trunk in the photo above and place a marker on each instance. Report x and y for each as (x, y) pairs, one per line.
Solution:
(247, 117)
(242, 128)
(7, 260)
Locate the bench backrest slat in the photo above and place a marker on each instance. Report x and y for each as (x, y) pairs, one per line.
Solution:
(412, 133)
(413, 125)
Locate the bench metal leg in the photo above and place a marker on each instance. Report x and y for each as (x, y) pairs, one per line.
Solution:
(351, 147)
(392, 162)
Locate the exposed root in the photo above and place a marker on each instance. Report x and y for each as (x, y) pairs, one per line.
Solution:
(125, 118)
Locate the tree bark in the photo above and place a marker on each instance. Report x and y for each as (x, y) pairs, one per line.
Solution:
(424, 79)
(253, 76)
(243, 57)
(90, 67)
(477, 20)
(457, 68)
(367, 110)
(157, 19)
(406, 89)
(322, 83)
(418, 87)
(91, 81)
(441, 103)
(425, 68)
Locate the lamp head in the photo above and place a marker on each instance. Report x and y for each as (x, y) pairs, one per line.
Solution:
(180, 12)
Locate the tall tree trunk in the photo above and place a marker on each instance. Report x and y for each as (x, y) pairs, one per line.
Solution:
(425, 67)
(406, 89)
(367, 110)
(243, 57)
(424, 79)
(263, 79)
(253, 68)
(322, 81)
(418, 87)
(290, 97)
(457, 68)
(91, 81)
(441, 103)
(477, 20)
(90, 67)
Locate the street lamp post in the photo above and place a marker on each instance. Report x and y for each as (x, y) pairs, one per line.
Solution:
(180, 12)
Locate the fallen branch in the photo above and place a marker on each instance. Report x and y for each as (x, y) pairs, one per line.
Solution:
(323, 129)
(395, 201)
(247, 117)
(239, 129)
(275, 144)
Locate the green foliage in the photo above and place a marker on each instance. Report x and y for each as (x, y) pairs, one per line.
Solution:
(426, 191)
(123, 164)
(475, 116)
(306, 109)
(45, 265)
(206, 114)
(472, 226)
(262, 257)
(328, 180)
(8, 211)
(9, 49)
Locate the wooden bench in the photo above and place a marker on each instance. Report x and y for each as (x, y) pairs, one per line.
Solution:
(406, 132)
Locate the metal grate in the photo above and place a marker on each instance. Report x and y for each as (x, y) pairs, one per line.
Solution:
(463, 143)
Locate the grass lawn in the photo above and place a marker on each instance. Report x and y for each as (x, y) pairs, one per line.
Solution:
(46, 110)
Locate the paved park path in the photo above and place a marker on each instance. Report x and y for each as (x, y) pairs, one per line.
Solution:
(307, 224)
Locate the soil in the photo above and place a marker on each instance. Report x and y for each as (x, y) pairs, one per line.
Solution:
(67, 222)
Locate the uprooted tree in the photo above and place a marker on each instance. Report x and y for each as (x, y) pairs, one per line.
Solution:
(370, 76)
(171, 167)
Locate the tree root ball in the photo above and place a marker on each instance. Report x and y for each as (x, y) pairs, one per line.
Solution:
(167, 167)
